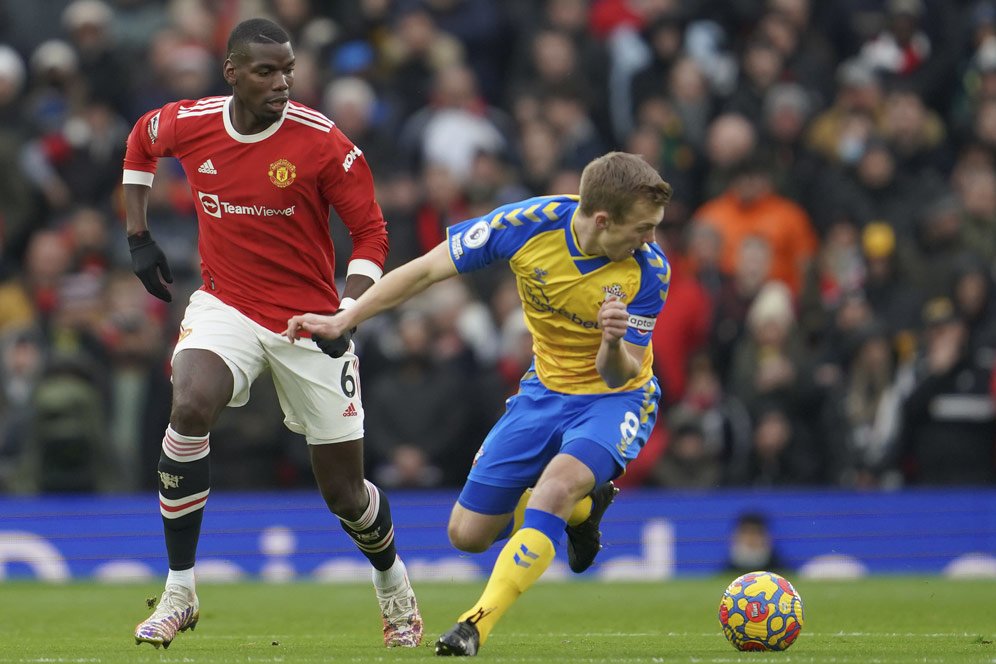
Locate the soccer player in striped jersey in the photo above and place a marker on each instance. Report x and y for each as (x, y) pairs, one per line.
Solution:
(264, 171)
(592, 283)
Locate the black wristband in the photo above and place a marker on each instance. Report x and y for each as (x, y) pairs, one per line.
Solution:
(139, 239)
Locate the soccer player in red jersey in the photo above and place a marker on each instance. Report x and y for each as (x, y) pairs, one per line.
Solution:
(264, 171)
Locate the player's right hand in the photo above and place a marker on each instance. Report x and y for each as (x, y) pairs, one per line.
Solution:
(613, 319)
(331, 333)
(334, 347)
(147, 262)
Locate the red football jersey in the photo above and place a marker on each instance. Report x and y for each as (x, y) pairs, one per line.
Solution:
(263, 202)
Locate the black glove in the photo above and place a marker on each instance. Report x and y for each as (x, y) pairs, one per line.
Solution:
(147, 261)
(334, 347)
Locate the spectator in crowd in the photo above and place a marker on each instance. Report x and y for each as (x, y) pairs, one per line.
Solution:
(22, 360)
(974, 297)
(861, 416)
(455, 126)
(89, 24)
(16, 202)
(886, 286)
(725, 422)
(938, 244)
(414, 54)
(835, 276)
(762, 68)
(67, 449)
(840, 132)
(768, 362)
(687, 463)
(782, 453)
(750, 206)
(735, 297)
(796, 169)
(419, 435)
(948, 420)
(730, 141)
(665, 36)
(976, 189)
(752, 546)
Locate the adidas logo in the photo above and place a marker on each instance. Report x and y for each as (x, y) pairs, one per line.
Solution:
(207, 167)
(350, 412)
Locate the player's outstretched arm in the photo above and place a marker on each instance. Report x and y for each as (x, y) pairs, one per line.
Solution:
(617, 362)
(397, 286)
(147, 260)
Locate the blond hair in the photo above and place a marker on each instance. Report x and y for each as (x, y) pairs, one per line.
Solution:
(615, 181)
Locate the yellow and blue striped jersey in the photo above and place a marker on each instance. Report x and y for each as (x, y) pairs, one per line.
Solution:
(563, 288)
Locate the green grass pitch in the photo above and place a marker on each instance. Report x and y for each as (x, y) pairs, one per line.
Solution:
(879, 620)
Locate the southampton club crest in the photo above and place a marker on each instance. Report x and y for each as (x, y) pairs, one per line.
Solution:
(282, 173)
(613, 291)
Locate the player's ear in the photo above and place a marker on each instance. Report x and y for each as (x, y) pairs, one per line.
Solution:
(601, 220)
(228, 71)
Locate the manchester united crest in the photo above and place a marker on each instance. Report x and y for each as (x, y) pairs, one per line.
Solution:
(282, 173)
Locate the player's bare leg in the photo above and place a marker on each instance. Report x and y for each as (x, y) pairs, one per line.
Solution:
(365, 515)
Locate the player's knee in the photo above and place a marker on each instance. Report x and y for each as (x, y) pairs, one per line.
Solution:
(192, 413)
(554, 494)
(464, 539)
(345, 501)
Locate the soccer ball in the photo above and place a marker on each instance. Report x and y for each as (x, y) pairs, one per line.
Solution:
(761, 611)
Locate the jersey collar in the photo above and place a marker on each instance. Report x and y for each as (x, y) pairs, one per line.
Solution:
(250, 138)
(585, 263)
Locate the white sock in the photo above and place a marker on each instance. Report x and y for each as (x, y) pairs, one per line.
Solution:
(391, 577)
(184, 577)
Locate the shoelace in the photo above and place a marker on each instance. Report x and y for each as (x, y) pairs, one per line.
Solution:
(397, 608)
(171, 606)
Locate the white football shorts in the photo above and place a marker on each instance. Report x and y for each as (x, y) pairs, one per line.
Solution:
(319, 395)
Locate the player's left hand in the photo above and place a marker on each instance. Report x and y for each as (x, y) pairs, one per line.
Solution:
(613, 319)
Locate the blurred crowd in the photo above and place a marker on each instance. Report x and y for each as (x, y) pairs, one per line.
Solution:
(831, 318)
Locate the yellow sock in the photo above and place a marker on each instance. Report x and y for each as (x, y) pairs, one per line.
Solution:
(581, 512)
(523, 559)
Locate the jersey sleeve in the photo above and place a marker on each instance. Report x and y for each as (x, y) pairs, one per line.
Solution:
(649, 301)
(480, 241)
(153, 136)
(347, 184)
